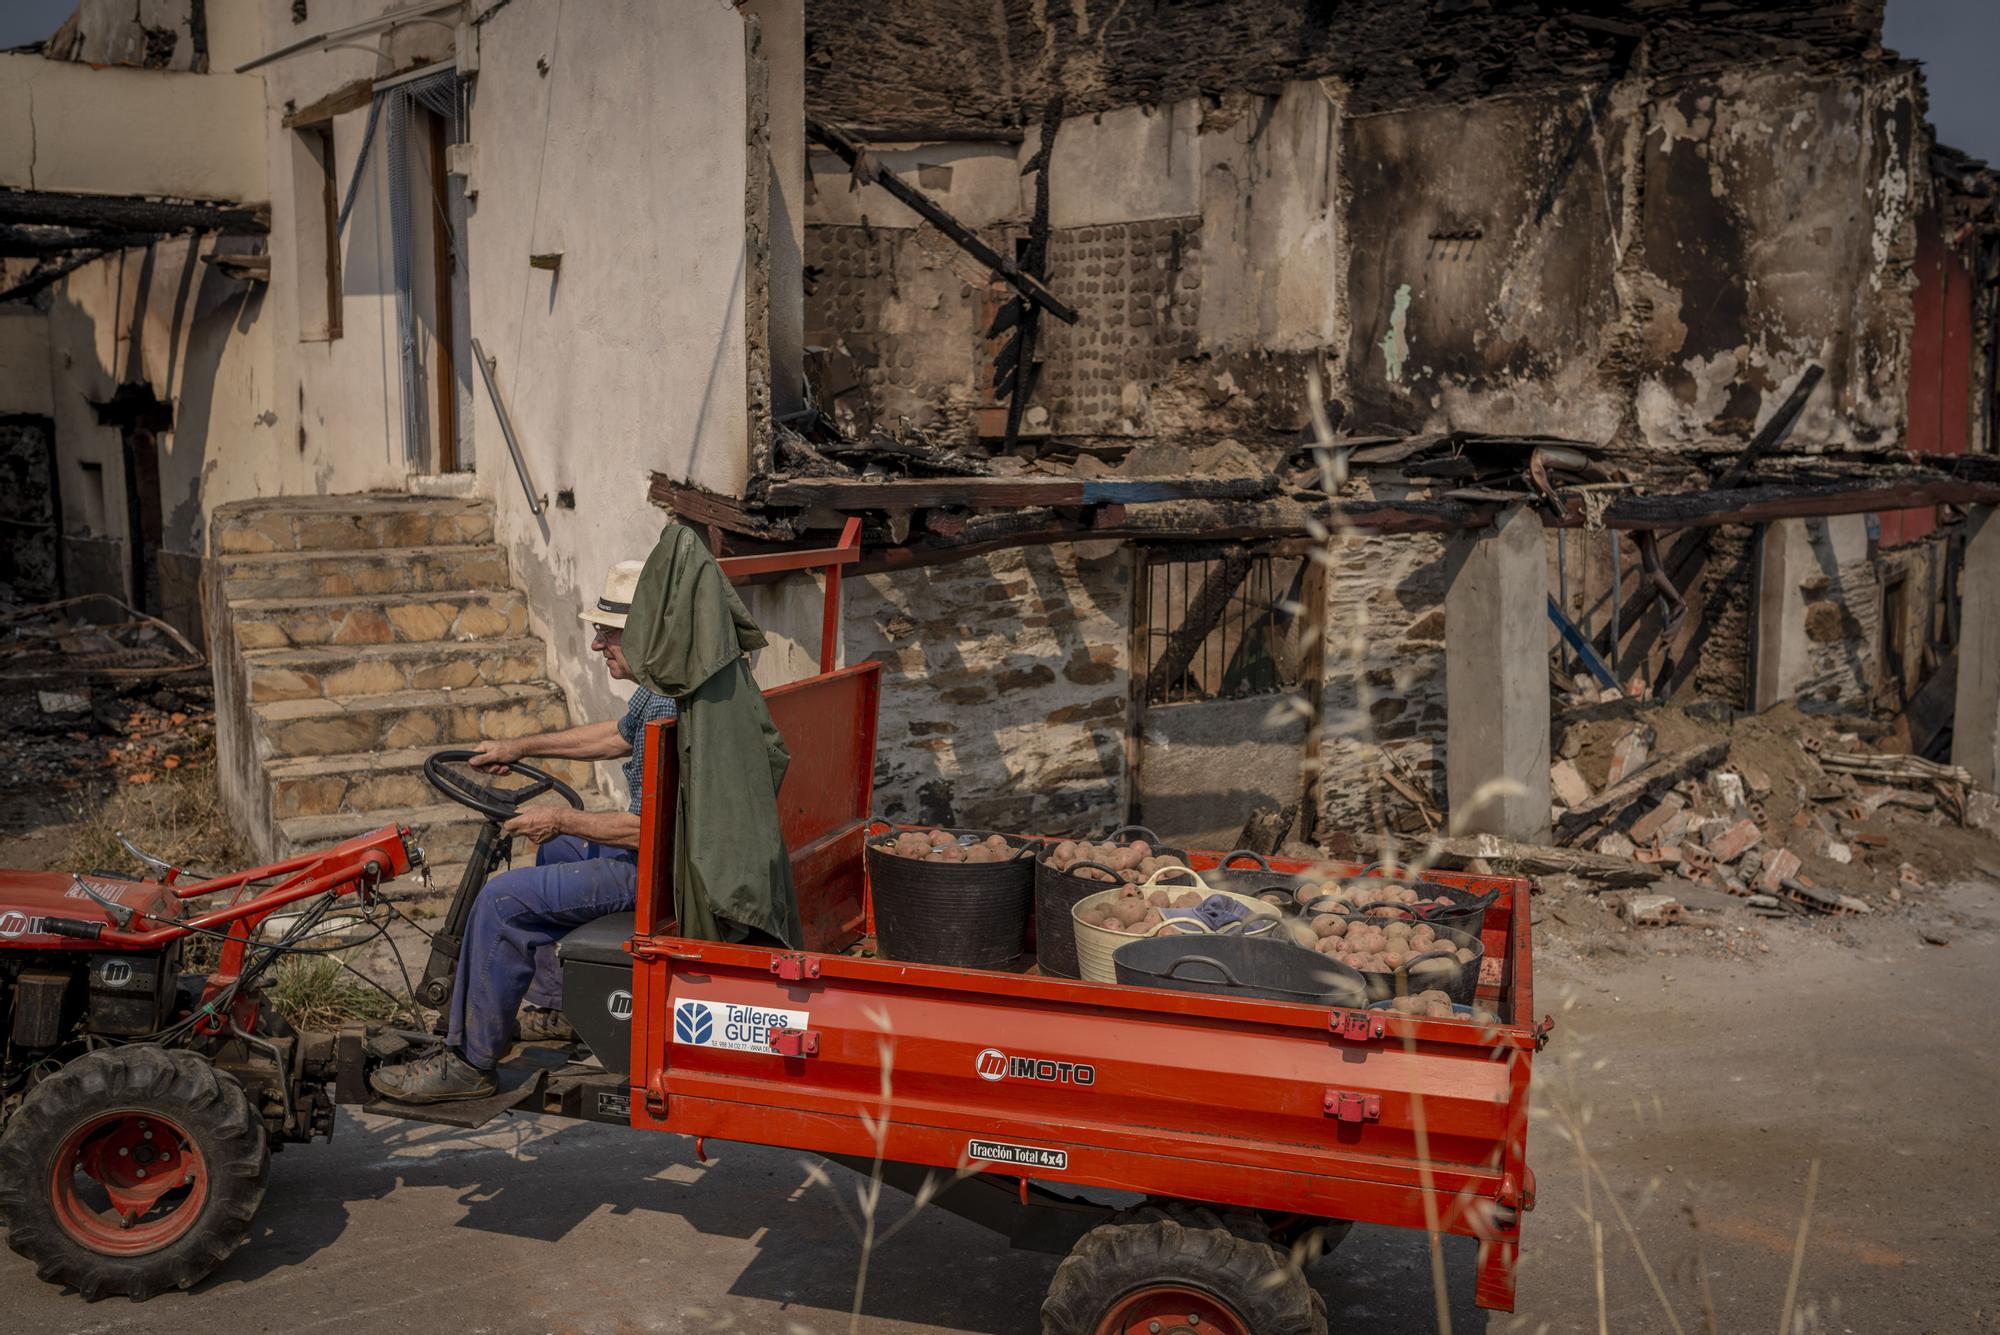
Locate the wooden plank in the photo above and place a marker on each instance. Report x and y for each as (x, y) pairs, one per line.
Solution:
(348, 97)
(1659, 774)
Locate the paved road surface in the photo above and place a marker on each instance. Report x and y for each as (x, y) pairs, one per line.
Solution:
(1718, 1083)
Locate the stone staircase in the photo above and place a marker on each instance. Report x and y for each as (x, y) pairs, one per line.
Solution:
(352, 636)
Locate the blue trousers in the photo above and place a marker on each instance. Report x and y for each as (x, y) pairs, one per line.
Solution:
(510, 937)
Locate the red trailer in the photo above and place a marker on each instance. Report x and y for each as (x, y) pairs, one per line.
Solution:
(1283, 1114)
(1244, 1132)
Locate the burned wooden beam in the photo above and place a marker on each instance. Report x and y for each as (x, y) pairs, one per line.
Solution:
(1004, 492)
(108, 213)
(33, 243)
(933, 134)
(50, 273)
(866, 169)
(1761, 505)
(706, 507)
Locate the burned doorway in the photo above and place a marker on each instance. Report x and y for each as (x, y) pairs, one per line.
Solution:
(142, 420)
(1226, 670)
(31, 512)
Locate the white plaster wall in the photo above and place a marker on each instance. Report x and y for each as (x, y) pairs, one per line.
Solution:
(628, 158)
(1270, 255)
(1128, 165)
(123, 131)
(979, 184)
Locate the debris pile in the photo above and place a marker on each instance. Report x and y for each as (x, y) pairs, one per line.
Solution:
(93, 637)
(64, 746)
(1792, 813)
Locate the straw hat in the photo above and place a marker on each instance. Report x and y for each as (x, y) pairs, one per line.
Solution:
(616, 602)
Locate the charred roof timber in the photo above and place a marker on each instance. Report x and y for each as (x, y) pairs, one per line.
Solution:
(868, 171)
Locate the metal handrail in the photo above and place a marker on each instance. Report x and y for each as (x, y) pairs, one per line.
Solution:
(486, 365)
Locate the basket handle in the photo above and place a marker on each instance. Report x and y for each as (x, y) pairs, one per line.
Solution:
(1324, 905)
(1263, 863)
(1174, 969)
(1194, 881)
(1027, 849)
(1414, 960)
(1140, 830)
(1116, 879)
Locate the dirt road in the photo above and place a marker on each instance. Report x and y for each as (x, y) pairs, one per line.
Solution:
(1709, 1088)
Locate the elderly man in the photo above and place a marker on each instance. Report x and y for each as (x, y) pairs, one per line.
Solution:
(586, 866)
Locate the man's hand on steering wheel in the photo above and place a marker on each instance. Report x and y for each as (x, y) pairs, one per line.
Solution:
(539, 824)
(495, 756)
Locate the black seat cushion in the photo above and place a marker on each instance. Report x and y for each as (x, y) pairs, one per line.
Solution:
(600, 941)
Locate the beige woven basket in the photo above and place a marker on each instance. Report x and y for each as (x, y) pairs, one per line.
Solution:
(1095, 944)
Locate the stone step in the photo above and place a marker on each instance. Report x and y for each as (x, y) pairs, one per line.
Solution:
(413, 618)
(376, 669)
(385, 571)
(407, 719)
(348, 523)
(386, 782)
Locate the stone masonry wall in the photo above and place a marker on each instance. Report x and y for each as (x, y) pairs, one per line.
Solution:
(1004, 689)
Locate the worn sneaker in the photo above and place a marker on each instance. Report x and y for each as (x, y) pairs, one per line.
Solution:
(442, 1077)
(540, 1024)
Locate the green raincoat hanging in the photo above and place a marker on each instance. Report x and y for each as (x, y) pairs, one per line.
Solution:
(687, 637)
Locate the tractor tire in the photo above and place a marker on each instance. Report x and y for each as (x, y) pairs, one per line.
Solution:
(1181, 1270)
(132, 1171)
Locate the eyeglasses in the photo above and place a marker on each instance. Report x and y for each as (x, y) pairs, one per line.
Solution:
(607, 635)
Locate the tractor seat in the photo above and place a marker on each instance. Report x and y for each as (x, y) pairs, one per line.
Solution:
(600, 941)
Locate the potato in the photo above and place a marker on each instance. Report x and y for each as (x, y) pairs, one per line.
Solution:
(1152, 918)
(1159, 899)
(1141, 849)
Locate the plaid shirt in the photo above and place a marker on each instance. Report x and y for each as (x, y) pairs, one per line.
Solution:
(644, 707)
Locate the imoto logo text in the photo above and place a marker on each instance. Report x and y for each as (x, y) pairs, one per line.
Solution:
(993, 1064)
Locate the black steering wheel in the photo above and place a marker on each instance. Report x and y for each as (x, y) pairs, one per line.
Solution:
(491, 800)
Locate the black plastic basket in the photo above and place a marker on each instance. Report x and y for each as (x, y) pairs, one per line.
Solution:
(1057, 892)
(1278, 888)
(1436, 969)
(1463, 910)
(1239, 966)
(972, 915)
